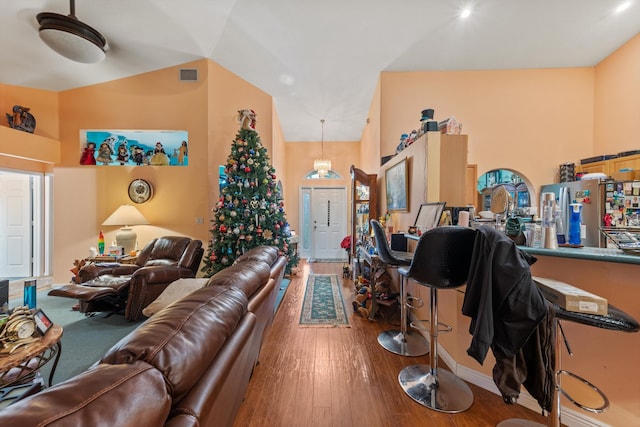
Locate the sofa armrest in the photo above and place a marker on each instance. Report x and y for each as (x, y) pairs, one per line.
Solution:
(147, 283)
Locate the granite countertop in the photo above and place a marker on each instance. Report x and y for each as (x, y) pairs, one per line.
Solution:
(589, 253)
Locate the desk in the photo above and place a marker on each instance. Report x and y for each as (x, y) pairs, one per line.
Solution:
(25, 362)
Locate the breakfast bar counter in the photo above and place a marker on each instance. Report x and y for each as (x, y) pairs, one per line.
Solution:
(586, 253)
(607, 358)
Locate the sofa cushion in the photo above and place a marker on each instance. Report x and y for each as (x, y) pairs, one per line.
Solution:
(246, 276)
(183, 339)
(172, 293)
(268, 254)
(132, 395)
(165, 250)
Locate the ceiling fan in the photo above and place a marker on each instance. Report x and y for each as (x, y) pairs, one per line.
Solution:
(72, 38)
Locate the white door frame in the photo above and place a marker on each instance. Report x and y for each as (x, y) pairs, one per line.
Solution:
(305, 212)
(37, 245)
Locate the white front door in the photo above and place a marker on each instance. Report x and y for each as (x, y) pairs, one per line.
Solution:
(15, 225)
(328, 214)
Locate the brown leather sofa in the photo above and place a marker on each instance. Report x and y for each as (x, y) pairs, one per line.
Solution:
(160, 262)
(187, 365)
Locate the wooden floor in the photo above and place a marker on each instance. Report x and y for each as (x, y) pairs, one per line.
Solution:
(313, 376)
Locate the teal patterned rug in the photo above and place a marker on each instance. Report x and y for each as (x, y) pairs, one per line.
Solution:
(323, 304)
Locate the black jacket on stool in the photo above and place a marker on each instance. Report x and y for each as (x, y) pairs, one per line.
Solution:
(507, 311)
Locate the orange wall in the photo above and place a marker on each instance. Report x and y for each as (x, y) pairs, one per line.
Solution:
(43, 104)
(617, 101)
(20, 150)
(526, 120)
(207, 109)
(301, 155)
(370, 147)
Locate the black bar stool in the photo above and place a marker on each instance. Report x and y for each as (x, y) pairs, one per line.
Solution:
(441, 261)
(399, 342)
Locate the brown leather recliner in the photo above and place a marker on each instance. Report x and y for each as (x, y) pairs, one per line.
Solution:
(161, 261)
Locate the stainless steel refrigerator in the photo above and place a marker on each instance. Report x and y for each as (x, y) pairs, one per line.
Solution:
(587, 192)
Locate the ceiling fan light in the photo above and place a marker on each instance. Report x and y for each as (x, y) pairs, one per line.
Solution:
(71, 38)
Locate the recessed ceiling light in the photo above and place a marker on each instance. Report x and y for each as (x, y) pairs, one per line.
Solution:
(623, 6)
(465, 13)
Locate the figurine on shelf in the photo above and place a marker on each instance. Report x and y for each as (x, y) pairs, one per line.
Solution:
(22, 119)
(404, 142)
(88, 154)
(123, 154)
(104, 153)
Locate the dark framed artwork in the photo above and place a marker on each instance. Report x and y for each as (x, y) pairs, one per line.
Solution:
(134, 147)
(397, 186)
(43, 323)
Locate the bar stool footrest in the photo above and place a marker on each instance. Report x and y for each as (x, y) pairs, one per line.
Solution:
(596, 410)
(420, 325)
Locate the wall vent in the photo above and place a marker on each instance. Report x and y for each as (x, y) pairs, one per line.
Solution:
(189, 74)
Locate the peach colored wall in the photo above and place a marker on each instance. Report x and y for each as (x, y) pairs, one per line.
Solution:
(370, 146)
(22, 150)
(617, 100)
(207, 109)
(43, 104)
(526, 120)
(301, 156)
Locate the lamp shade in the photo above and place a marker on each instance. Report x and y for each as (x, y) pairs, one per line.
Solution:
(126, 215)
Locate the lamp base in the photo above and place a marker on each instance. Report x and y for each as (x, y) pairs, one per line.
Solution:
(126, 238)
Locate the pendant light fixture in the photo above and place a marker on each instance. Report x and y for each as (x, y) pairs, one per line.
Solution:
(322, 165)
(72, 38)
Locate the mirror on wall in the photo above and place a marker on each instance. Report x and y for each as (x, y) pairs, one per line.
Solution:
(503, 182)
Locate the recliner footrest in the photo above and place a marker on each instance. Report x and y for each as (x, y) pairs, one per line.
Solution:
(81, 292)
(93, 289)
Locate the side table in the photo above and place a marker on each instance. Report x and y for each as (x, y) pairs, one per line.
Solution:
(26, 361)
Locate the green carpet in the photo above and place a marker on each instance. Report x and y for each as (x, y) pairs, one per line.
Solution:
(323, 304)
(84, 339)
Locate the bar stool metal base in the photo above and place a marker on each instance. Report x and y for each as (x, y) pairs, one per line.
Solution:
(407, 344)
(443, 392)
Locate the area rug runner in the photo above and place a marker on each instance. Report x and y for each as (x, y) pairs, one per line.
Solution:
(323, 304)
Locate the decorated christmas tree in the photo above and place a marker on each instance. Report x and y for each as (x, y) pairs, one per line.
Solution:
(250, 211)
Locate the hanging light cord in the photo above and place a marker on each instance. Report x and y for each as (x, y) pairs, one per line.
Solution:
(322, 140)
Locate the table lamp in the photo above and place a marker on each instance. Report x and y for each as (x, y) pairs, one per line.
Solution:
(127, 216)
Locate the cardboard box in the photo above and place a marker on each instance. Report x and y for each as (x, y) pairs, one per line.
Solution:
(571, 298)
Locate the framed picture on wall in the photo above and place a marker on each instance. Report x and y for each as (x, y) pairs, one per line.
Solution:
(397, 186)
(134, 147)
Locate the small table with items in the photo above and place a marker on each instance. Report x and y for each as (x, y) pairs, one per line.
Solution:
(21, 366)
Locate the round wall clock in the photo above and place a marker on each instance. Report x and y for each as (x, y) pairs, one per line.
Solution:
(140, 191)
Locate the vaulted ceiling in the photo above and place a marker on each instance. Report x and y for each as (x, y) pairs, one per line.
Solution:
(318, 59)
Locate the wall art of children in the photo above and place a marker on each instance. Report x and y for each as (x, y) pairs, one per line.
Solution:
(134, 147)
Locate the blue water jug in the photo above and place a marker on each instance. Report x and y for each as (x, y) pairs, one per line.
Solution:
(575, 223)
